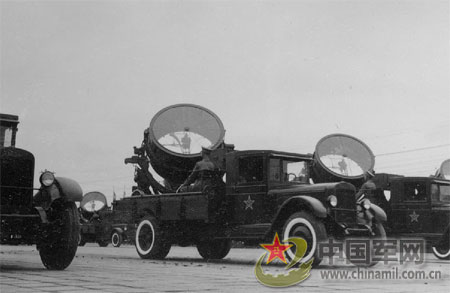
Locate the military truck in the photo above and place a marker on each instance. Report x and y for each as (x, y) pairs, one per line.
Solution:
(264, 191)
(419, 207)
(49, 218)
(102, 224)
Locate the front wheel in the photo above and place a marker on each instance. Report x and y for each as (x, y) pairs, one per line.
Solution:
(214, 249)
(306, 226)
(58, 249)
(150, 240)
(442, 249)
(116, 239)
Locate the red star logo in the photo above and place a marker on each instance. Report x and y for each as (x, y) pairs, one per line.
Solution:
(276, 249)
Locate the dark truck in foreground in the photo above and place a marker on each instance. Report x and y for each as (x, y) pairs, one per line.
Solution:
(48, 219)
(265, 192)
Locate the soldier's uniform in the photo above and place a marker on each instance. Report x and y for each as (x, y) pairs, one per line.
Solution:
(205, 173)
(367, 190)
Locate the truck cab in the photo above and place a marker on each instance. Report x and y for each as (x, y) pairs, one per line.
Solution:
(420, 206)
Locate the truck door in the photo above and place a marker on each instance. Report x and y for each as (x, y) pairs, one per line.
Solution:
(410, 213)
(250, 192)
(440, 206)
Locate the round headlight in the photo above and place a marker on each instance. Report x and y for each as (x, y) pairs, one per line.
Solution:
(332, 200)
(366, 204)
(47, 178)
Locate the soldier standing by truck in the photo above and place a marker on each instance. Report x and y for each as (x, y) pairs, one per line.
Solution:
(368, 189)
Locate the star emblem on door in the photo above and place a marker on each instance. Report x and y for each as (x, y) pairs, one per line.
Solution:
(414, 217)
(249, 203)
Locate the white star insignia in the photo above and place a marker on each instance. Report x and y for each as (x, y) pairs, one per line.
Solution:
(414, 217)
(249, 203)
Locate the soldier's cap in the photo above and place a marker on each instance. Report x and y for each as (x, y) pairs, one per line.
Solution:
(206, 150)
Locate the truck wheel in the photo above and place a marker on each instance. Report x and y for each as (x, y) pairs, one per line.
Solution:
(441, 252)
(214, 249)
(150, 241)
(58, 249)
(116, 239)
(304, 225)
(442, 249)
(103, 243)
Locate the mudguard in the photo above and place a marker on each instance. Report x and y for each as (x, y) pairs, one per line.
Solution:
(118, 230)
(378, 212)
(317, 208)
(70, 189)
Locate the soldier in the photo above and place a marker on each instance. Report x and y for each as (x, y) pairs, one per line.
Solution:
(368, 189)
(205, 173)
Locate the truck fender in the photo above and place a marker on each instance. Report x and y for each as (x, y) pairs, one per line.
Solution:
(313, 204)
(378, 213)
(118, 230)
(70, 189)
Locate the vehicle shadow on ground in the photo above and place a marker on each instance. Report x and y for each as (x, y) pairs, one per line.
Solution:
(8, 267)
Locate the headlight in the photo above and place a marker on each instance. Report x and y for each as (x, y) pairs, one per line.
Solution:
(366, 204)
(332, 200)
(47, 178)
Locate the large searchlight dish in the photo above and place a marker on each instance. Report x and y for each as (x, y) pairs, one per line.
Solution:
(444, 170)
(342, 157)
(176, 136)
(184, 129)
(93, 202)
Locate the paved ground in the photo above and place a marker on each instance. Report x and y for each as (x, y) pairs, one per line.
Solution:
(111, 269)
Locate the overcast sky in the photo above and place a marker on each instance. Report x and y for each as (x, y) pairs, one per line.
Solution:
(86, 77)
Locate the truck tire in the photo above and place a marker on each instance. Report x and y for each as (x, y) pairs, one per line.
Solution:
(102, 243)
(214, 249)
(58, 249)
(150, 241)
(442, 249)
(116, 239)
(306, 226)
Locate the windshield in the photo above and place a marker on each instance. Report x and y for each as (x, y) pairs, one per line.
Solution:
(282, 170)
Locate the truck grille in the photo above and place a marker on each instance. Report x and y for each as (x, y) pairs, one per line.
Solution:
(345, 212)
(16, 179)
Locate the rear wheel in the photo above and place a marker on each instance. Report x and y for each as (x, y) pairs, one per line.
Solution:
(306, 226)
(58, 249)
(214, 249)
(116, 239)
(150, 241)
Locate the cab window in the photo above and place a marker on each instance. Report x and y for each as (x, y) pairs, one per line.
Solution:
(415, 191)
(440, 192)
(287, 171)
(250, 169)
(6, 134)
